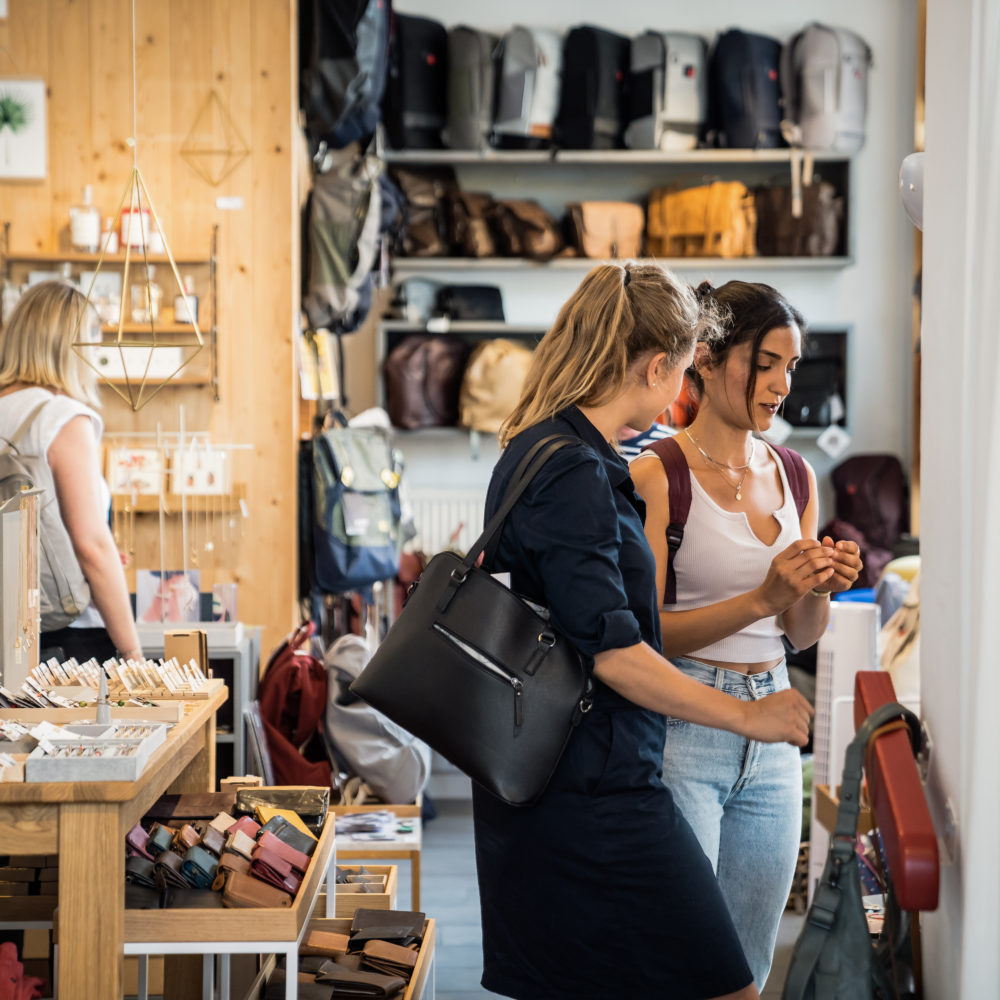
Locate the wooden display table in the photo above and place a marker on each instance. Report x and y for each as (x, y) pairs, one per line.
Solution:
(85, 823)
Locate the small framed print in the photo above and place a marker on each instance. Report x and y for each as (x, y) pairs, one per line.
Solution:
(201, 472)
(137, 471)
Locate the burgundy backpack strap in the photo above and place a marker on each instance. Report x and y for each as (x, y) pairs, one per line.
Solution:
(797, 476)
(675, 465)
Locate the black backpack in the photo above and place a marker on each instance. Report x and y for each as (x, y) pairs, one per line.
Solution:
(872, 493)
(344, 48)
(593, 100)
(744, 91)
(415, 108)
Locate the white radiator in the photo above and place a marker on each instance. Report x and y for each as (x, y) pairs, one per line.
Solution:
(446, 518)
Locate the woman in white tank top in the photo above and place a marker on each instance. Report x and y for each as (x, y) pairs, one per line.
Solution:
(42, 378)
(749, 570)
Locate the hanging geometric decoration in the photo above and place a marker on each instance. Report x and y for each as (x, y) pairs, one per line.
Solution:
(214, 147)
(144, 308)
(142, 223)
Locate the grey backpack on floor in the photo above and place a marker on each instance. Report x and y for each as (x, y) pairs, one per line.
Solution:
(527, 87)
(824, 82)
(471, 87)
(65, 593)
(668, 93)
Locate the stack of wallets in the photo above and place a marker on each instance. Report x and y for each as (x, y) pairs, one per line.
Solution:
(29, 875)
(178, 860)
(376, 959)
(308, 804)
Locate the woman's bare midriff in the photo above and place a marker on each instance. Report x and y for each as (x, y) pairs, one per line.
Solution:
(741, 668)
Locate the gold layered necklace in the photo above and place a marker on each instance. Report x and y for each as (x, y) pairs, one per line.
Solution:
(719, 466)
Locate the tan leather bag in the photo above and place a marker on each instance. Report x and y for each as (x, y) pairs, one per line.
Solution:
(491, 386)
(525, 229)
(606, 229)
(710, 220)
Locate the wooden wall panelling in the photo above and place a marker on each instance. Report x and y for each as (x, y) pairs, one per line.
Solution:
(245, 51)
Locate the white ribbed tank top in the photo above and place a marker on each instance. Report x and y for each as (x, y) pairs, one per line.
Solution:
(720, 558)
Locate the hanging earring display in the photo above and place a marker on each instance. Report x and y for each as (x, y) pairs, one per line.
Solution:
(144, 309)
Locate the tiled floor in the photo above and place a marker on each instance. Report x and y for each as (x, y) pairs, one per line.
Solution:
(449, 894)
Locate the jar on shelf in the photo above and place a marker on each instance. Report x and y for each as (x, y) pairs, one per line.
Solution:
(109, 236)
(146, 298)
(186, 305)
(85, 224)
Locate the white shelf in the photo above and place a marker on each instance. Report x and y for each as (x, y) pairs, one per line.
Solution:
(462, 326)
(623, 156)
(409, 265)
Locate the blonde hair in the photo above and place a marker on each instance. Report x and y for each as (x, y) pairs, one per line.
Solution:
(36, 342)
(619, 314)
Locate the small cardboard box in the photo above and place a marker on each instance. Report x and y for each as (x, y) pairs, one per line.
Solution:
(349, 896)
(827, 804)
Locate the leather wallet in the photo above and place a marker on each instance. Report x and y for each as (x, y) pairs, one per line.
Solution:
(306, 989)
(175, 898)
(199, 867)
(160, 839)
(233, 862)
(239, 842)
(222, 822)
(137, 840)
(350, 983)
(213, 840)
(268, 866)
(168, 869)
(141, 897)
(324, 943)
(391, 959)
(247, 825)
(289, 834)
(192, 805)
(187, 836)
(298, 860)
(412, 921)
(241, 891)
(140, 871)
(268, 814)
(310, 802)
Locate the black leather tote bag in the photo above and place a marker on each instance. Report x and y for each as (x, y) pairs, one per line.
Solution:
(477, 672)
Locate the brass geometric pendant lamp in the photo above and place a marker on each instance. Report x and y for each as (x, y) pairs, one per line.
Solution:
(132, 335)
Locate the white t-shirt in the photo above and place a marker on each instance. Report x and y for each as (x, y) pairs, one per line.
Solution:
(54, 416)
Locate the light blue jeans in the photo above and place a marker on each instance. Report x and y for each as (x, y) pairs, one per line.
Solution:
(743, 800)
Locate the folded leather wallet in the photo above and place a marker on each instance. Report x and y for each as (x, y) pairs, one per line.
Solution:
(298, 860)
(268, 866)
(137, 839)
(310, 802)
(160, 839)
(176, 898)
(239, 842)
(213, 840)
(265, 814)
(366, 917)
(306, 989)
(222, 822)
(199, 867)
(241, 891)
(289, 834)
(233, 862)
(141, 897)
(392, 959)
(168, 869)
(245, 824)
(187, 836)
(350, 983)
(140, 871)
(192, 805)
(324, 943)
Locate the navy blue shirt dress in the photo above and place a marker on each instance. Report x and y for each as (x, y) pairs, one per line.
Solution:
(600, 890)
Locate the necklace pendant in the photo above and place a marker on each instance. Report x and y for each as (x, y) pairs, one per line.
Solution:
(739, 495)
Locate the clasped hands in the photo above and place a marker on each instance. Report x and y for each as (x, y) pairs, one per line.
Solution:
(809, 564)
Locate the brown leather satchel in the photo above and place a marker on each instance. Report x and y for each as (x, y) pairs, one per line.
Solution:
(426, 228)
(472, 215)
(525, 229)
(814, 233)
(491, 386)
(606, 229)
(708, 220)
(423, 375)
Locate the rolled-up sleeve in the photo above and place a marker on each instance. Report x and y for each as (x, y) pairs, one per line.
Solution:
(566, 528)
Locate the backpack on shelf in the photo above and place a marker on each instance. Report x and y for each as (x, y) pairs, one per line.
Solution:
(524, 229)
(344, 49)
(824, 81)
(472, 71)
(592, 99)
(491, 386)
(744, 91)
(415, 108)
(423, 375)
(668, 91)
(530, 60)
(426, 227)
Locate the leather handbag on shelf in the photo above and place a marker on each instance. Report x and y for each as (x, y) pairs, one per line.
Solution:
(492, 383)
(835, 957)
(525, 229)
(605, 230)
(423, 374)
(708, 220)
(470, 302)
(472, 224)
(814, 232)
(476, 672)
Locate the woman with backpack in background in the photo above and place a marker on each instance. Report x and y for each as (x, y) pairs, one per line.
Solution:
(749, 569)
(48, 400)
(600, 889)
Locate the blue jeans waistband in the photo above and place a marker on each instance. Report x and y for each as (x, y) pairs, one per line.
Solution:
(733, 681)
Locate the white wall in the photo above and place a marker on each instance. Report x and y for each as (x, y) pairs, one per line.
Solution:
(873, 294)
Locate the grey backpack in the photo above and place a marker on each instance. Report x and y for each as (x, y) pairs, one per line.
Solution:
(65, 593)
(668, 93)
(528, 87)
(471, 90)
(824, 82)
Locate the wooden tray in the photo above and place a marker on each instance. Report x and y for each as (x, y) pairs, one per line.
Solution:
(348, 899)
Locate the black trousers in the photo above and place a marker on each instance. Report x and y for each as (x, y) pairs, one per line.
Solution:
(80, 643)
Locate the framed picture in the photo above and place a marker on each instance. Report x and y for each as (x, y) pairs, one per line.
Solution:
(135, 470)
(23, 129)
(201, 471)
(171, 596)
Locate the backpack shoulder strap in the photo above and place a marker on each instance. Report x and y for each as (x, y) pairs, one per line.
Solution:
(675, 465)
(15, 439)
(797, 475)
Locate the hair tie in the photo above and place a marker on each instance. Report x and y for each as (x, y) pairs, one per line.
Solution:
(627, 278)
